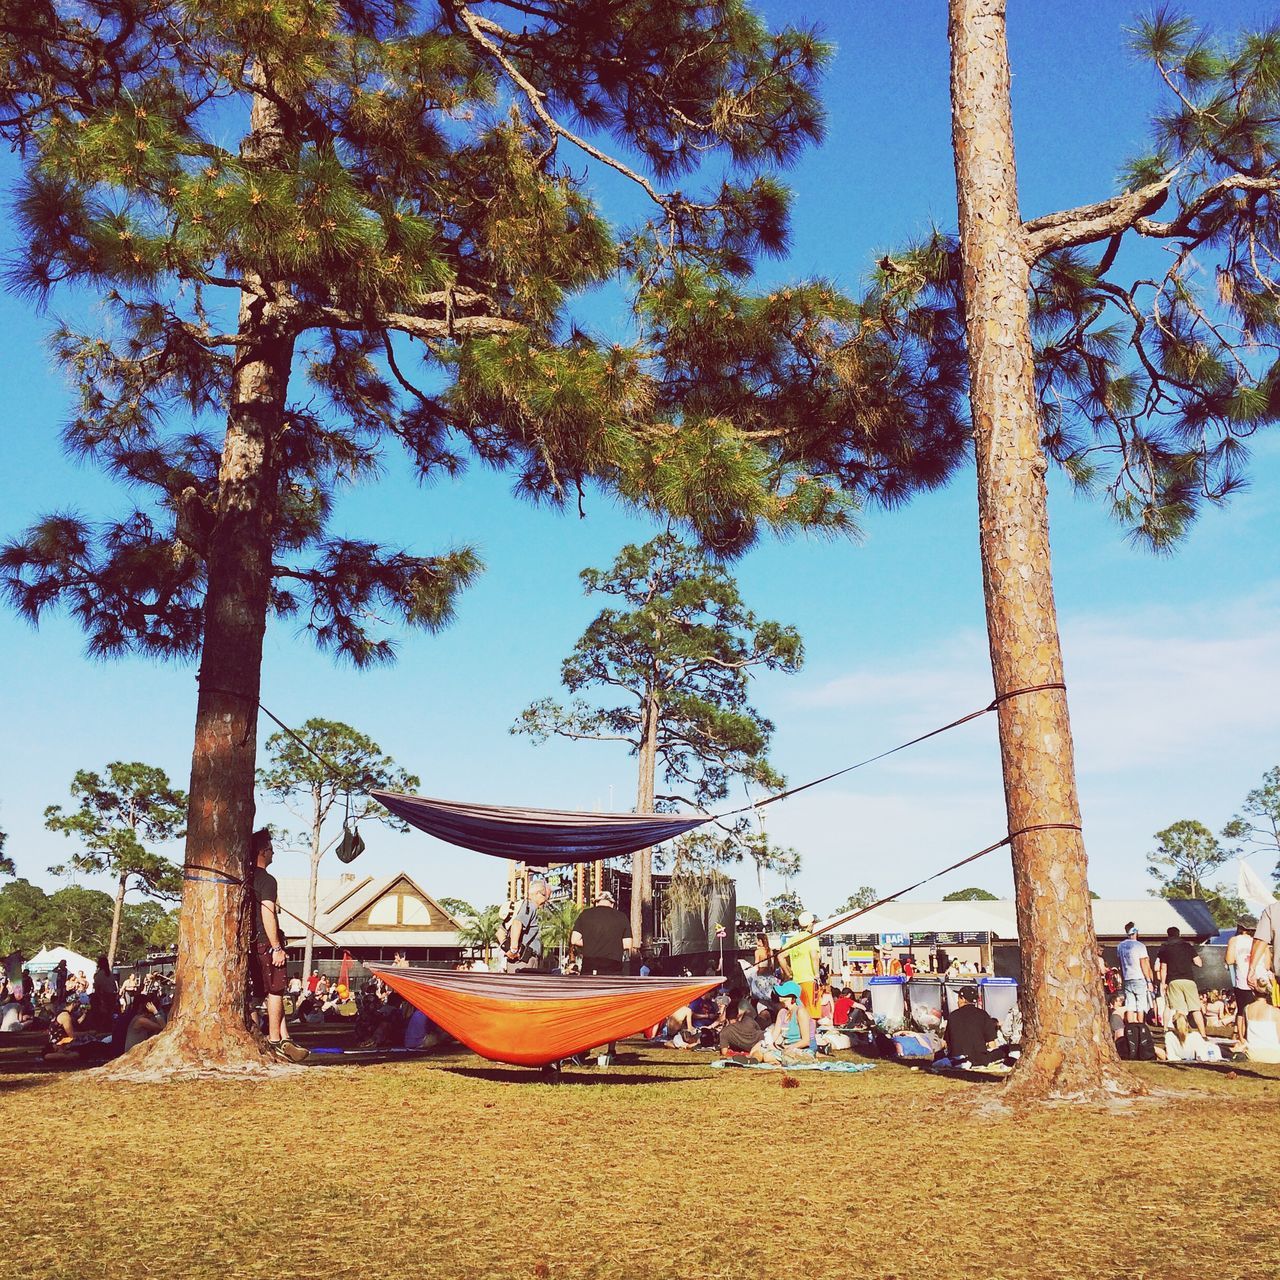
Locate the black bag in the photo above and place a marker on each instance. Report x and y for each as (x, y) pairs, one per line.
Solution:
(1146, 1045)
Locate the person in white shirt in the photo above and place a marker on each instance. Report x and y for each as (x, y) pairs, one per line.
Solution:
(1139, 987)
(1183, 1044)
(1262, 954)
(11, 1015)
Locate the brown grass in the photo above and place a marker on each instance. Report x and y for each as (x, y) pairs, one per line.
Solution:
(661, 1167)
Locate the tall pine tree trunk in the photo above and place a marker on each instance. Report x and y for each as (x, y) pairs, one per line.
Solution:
(308, 945)
(117, 911)
(646, 784)
(207, 1029)
(1067, 1046)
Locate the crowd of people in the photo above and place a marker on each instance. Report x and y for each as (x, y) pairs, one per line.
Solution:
(85, 1014)
(1159, 1012)
(785, 1006)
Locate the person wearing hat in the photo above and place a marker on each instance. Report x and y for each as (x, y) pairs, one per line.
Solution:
(971, 1032)
(602, 938)
(801, 961)
(1139, 991)
(793, 1030)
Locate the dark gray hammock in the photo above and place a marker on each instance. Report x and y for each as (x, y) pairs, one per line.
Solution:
(541, 837)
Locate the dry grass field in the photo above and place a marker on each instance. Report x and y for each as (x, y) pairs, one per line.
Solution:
(657, 1167)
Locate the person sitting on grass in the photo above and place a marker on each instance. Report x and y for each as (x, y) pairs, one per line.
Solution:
(1261, 1042)
(792, 1035)
(680, 1033)
(1183, 1044)
(742, 1036)
(144, 1020)
(65, 1027)
(972, 1034)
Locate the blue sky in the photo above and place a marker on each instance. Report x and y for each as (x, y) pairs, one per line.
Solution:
(1171, 663)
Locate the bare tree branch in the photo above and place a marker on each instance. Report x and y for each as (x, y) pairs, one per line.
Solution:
(1092, 222)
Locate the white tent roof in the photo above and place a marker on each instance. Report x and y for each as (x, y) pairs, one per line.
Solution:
(48, 959)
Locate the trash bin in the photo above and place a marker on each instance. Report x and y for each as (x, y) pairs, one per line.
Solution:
(999, 997)
(925, 996)
(951, 992)
(888, 1001)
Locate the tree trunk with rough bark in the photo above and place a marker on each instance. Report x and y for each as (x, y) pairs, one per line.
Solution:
(1068, 1051)
(117, 911)
(208, 1031)
(646, 784)
(308, 945)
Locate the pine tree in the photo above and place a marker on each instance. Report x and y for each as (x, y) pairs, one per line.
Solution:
(1149, 377)
(118, 816)
(678, 652)
(383, 260)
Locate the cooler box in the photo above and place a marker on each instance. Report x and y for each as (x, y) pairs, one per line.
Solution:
(925, 995)
(999, 997)
(888, 1001)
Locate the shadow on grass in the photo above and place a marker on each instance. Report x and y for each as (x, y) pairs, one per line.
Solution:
(570, 1076)
(15, 1084)
(1221, 1069)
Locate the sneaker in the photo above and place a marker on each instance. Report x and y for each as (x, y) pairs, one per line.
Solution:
(289, 1051)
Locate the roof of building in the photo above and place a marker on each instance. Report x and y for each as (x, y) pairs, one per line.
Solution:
(345, 905)
(1153, 916)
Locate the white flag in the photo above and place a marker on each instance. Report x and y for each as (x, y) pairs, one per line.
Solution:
(1249, 886)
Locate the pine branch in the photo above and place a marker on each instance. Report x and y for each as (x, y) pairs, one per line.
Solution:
(1090, 223)
(481, 29)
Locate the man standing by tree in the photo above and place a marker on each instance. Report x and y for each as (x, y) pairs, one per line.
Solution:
(269, 950)
(1176, 965)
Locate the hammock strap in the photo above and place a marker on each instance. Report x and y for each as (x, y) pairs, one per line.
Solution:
(902, 746)
(828, 925)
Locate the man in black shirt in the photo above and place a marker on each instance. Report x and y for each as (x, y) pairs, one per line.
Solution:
(1176, 965)
(971, 1032)
(269, 949)
(602, 937)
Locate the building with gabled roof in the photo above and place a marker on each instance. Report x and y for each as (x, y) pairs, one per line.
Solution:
(372, 917)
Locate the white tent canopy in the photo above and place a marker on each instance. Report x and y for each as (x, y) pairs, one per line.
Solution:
(47, 960)
(1252, 889)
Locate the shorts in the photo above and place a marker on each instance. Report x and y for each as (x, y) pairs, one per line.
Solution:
(809, 998)
(1181, 995)
(274, 977)
(1244, 998)
(1137, 996)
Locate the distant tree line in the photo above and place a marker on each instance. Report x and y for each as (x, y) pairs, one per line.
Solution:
(80, 918)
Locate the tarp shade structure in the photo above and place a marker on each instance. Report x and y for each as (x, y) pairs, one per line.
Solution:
(533, 1019)
(541, 837)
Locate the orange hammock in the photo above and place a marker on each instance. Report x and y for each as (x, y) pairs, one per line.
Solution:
(533, 1019)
